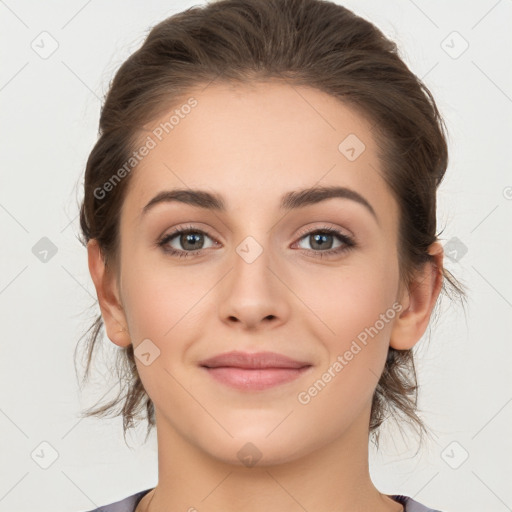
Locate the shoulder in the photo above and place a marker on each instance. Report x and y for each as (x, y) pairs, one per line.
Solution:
(125, 505)
(411, 505)
(130, 503)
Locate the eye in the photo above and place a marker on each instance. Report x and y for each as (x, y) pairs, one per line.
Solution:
(190, 241)
(321, 241)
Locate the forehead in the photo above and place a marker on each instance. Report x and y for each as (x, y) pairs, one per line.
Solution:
(254, 143)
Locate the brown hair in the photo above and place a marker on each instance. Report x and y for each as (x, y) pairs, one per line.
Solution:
(313, 43)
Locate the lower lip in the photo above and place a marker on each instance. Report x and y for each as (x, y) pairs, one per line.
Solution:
(255, 379)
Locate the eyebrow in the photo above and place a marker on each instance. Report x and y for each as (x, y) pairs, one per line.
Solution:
(289, 201)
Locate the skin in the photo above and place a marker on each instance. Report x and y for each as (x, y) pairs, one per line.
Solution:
(252, 144)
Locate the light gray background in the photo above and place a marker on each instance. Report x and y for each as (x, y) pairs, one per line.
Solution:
(50, 110)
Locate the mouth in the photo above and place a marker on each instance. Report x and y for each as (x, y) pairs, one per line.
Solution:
(253, 371)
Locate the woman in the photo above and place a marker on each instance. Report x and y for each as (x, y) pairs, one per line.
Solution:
(260, 220)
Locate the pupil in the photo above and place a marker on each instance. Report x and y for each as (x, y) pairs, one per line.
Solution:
(190, 238)
(320, 239)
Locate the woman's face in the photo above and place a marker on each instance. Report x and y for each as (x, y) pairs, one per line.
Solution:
(258, 271)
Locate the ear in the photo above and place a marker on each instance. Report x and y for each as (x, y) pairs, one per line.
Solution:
(105, 283)
(418, 302)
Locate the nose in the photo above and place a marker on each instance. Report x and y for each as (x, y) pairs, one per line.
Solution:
(253, 293)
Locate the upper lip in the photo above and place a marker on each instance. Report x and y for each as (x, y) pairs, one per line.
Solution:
(255, 360)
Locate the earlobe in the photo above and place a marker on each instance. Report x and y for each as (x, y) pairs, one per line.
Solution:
(104, 280)
(412, 322)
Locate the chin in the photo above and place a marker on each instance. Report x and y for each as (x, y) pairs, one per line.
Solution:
(257, 449)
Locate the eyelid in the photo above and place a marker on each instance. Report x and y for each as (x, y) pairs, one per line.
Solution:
(177, 230)
(301, 233)
(189, 227)
(326, 226)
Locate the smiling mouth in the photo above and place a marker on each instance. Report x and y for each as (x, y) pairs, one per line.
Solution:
(248, 371)
(254, 379)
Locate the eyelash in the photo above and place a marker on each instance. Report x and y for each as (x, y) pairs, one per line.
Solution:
(348, 242)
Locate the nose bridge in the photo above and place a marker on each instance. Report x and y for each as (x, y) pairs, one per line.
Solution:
(251, 262)
(252, 291)
(253, 253)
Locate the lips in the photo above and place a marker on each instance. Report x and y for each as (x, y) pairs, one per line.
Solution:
(257, 360)
(253, 372)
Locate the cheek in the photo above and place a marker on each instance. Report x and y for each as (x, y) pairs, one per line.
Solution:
(357, 307)
(162, 306)
(351, 299)
(159, 297)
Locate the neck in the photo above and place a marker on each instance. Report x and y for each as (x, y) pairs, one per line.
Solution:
(333, 477)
